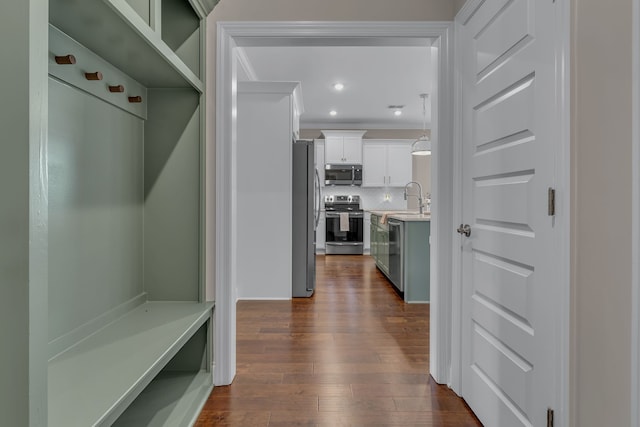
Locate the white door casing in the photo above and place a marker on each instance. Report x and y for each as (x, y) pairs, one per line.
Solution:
(635, 285)
(514, 292)
(241, 34)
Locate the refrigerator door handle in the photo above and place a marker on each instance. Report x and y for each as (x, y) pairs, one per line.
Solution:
(319, 195)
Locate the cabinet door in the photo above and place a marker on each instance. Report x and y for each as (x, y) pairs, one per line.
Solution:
(352, 149)
(374, 161)
(399, 164)
(383, 249)
(333, 150)
(320, 160)
(373, 238)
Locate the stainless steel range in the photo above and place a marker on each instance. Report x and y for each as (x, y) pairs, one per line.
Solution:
(344, 225)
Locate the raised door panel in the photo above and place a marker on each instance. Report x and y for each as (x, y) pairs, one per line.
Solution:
(374, 165)
(352, 149)
(399, 165)
(333, 150)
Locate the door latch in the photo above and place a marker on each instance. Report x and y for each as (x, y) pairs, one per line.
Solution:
(464, 229)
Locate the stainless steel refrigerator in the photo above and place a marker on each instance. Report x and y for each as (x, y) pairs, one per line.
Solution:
(306, 214)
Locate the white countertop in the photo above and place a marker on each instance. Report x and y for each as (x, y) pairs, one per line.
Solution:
(406, 215)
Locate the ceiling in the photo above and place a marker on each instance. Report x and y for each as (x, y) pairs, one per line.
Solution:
(374, 78)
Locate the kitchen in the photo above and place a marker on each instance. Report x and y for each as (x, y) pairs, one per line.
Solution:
(362, 124)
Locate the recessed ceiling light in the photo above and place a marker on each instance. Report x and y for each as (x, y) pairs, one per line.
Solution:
(397, 109)
(338, 86)
(333, 113)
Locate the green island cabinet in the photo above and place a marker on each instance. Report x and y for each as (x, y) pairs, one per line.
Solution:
(410, 252)
(103, 314)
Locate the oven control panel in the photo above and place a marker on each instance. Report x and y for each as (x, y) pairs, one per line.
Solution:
(341, 199)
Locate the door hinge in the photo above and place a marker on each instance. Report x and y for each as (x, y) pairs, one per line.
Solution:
(551, 209)
(549, 417)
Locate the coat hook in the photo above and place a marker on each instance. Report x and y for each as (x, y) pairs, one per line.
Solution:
(65, 59)
(117, 88)
(135, 99)
(93, 76)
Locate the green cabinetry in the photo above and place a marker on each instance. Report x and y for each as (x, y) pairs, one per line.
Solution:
(380, 243)
(416, 261)
(102, 302)
(413, 250)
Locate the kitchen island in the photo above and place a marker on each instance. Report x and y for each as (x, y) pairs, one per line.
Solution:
(401, 248)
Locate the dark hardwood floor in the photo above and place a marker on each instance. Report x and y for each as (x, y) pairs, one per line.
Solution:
(352, 355)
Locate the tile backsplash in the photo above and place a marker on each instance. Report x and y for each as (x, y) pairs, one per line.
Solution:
(371, 197)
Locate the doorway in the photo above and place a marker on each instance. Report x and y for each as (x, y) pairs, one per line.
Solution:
(232, 35)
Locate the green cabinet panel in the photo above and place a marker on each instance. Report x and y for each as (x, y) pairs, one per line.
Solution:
(95, 207)
(102, 207)
(23, 215)
(172, 194)
(416, 259)
(380, 243)
(181, 32)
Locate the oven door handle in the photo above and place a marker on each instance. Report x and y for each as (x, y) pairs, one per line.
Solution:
(351, 214)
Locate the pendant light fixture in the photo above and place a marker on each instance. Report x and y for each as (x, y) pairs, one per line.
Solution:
(422, 145)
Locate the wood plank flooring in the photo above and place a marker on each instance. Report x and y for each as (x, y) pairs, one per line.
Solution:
(352, 355)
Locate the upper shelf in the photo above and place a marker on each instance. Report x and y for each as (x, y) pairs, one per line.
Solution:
(114, 30)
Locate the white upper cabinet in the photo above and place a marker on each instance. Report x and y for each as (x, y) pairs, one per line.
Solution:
(352, 149)
(386, 163)
(343, 146)
(399, 164)
(374, 164)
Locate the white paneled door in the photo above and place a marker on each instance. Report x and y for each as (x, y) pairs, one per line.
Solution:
(510, 281)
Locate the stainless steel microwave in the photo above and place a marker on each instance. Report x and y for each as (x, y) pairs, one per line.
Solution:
(342, 174)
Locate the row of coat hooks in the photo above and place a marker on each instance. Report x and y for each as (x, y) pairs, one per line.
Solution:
(96, 75)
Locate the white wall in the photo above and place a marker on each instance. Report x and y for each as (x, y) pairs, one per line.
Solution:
(457, 4)
(601, 212)
(421, 172)
(263, 196)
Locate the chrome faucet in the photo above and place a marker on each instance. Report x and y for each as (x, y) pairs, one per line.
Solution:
(420, 197)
